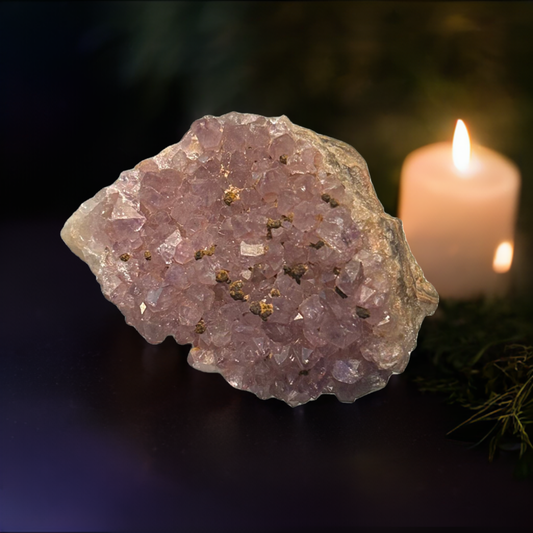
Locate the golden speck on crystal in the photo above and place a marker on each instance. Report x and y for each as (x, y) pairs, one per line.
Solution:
(230, 195)
(200, 327)
(262, 309)
(222, 276)
(235, 290)
(296, 272)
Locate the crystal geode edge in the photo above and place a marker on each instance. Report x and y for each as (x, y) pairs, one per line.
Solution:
(356, 179)
(249, 202)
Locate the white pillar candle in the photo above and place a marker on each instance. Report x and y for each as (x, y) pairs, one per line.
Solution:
(459, 214)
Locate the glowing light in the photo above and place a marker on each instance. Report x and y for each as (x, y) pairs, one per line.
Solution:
(461, 147)
(503, 258)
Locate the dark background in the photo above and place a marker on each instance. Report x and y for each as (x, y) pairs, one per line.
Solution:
(101, 431)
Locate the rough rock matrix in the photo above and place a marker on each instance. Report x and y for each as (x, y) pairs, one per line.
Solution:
(263, 245)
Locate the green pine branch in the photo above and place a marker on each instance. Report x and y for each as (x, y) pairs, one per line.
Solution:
(480, 356)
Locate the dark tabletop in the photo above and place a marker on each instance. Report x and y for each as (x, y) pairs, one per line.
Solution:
(102, 431)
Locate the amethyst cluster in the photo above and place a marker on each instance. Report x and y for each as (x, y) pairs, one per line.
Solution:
(264, 246)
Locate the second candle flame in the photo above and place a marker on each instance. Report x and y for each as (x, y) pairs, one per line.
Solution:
(503, 258)
(461, 147)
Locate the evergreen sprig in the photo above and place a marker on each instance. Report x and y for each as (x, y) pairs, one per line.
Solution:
(480, 356)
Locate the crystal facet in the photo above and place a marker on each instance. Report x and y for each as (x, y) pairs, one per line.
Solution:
(263, 245)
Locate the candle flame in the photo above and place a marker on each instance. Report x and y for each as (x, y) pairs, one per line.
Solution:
(503, 258)
(461, 147)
